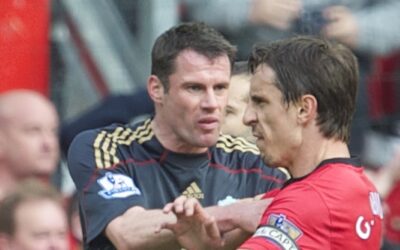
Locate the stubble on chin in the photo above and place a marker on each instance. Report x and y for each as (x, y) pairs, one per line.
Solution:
(267, 159)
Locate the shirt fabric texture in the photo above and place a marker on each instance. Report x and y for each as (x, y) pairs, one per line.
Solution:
(122, 166)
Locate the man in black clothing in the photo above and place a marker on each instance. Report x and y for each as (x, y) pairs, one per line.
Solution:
(126, 174)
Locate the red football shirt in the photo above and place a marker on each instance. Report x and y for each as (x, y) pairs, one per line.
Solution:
(334, 207)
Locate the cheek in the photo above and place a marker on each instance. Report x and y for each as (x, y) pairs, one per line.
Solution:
(223, 100)
(266, 123)
(184, 105)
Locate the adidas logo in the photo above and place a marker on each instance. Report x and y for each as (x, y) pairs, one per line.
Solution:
(193, 191)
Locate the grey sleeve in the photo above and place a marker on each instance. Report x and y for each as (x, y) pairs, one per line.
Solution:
(222, 14)
(379, 28)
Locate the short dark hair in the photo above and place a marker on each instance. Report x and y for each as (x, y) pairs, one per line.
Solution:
(28, 190)
(199, 37)
(324, 69)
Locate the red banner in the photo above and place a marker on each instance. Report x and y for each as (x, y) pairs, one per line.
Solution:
(24, 44)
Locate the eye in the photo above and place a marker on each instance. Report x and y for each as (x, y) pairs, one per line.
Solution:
(230, 111)
(256, 100)
(31, 130)
(194, 88)
(221, 88)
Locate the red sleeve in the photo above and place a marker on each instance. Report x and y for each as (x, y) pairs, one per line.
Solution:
(271, 194)
(290, 220)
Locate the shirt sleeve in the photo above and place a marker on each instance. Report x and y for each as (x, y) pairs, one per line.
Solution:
(105, 193)
(289, 221)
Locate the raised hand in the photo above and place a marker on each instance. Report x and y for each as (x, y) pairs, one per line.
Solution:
(194, 229)
(342, 25)
(278, 14)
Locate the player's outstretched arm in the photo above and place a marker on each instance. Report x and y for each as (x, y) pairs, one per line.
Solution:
(194, 228)
(214, 227)
(136, 229)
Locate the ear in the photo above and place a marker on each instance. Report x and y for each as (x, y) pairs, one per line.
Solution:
(307, 108)
(155, 89)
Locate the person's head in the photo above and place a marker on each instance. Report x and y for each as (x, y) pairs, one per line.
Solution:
(197, 37)
(238, 98)
(191, 67)
(299, 83)
(32, 218)
(28, 134)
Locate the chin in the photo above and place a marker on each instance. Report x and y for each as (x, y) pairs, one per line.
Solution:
(268, 160)
(46, 169)
(208, 141)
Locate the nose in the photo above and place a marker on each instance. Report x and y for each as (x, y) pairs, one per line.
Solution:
(58, 242)
(49, 138)
(249, 117)
(210, 100)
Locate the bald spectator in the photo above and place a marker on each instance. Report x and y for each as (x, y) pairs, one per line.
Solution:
(32, 217)
(28, 138)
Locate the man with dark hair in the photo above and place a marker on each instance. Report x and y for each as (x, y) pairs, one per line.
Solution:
(126, 174)
(198, 37)
(302, 99)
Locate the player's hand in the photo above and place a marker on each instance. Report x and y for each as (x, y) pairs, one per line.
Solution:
(342, 25)
(278, 14)
(194, 229)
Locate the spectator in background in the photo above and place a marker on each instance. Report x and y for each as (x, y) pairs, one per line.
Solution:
(28, 138)
(367, 26)
(75, 232)
(32, 217)
(387, 181)
(238, 97)
(121, 109)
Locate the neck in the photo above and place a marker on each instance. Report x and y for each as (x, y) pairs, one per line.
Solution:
(7, 181)
(311, 155)
(171, 141)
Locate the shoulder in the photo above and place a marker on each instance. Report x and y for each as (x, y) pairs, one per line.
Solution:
(300, 200)
(229, 144)
(236, 152)
(341, 175)
(114, 133)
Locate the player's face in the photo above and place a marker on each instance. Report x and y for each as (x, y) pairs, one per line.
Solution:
(40, 225)
(273, 122)
(30, 140)
(196, 99)
(234, 111)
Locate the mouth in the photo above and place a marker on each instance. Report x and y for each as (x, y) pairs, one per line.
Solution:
(209, 123)
(257, 136)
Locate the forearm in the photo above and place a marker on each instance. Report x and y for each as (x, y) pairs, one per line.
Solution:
(234, 239)
(136, 229)
(245, 215)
